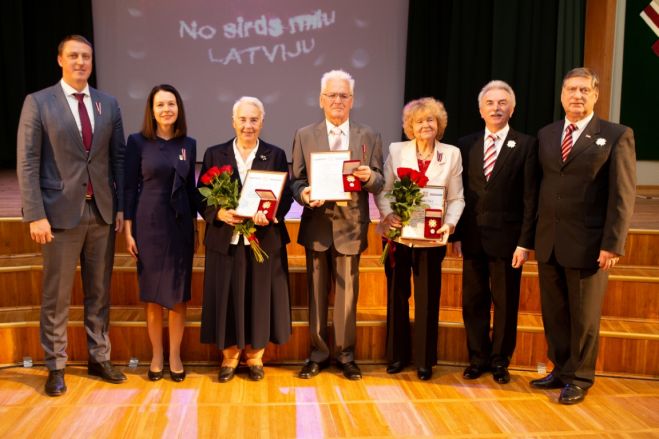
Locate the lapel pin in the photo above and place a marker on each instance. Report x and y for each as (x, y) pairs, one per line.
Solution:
(601, 141)
(263, 157)
(511, 144)
(98, 108)
(440, 155)
(587, 136)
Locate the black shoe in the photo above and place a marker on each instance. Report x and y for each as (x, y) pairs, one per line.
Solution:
(396, 367)
(255, 373)
(105, 370)
(55, 385)
(350, 370)
(474, 371)
(311, 369)
(154, 376)
(424, 373)
(501, 374)
(226, 374)
(177, 377)
(550, 381)
(572, 394)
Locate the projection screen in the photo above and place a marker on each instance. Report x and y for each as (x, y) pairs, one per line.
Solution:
(213, 52)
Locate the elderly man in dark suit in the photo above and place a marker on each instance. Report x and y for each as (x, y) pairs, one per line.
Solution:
(334, 233)
(585, 206)
(70, 172)
(495, 232)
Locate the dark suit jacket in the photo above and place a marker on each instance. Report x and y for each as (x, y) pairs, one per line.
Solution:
(500, 213)
(345, 227)
(52, 164)
(587, 202)
(268, 158)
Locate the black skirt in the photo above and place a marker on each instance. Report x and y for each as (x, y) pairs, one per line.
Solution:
(245, 302)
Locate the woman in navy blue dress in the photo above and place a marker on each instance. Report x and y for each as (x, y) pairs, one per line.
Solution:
(160, 212)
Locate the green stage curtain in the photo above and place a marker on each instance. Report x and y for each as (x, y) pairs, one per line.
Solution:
(454, 47)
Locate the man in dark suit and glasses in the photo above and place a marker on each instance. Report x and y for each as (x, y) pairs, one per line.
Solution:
(495, 232)
(586, 202)
(334, 233)
(70, 163)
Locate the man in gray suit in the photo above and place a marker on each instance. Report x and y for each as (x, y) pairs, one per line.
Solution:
(334, 233)
(70, 162)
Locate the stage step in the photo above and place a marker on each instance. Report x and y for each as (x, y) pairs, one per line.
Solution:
(629, 347)
(630, 326)
(633, 292)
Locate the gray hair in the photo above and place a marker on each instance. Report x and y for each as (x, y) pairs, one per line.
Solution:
(497, 85)
(583, 72)
(337, 74)
(248, 100)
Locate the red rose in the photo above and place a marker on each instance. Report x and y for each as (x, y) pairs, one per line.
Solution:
(212, 172)
(404, 172)
(422, 180)
(226, 168)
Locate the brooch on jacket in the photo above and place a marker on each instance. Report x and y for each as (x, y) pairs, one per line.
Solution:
(263, 157)
(511, 144)
(601, 141)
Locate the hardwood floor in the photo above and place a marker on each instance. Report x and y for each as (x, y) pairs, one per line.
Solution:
(283, 406)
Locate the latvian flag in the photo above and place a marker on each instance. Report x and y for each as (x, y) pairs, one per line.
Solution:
(651, 16)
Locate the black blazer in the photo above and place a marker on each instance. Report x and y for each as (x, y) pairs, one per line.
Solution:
(586, 203)
(500, 213)
(268, 158)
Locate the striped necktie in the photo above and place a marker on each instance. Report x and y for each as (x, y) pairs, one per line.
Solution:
(566, 146)
(490, 156)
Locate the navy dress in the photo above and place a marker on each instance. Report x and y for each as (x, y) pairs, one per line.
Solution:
(160, 198)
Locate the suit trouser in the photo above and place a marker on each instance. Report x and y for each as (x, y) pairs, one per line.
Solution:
(425, 265)
(488, 281)
(323, 268)
(571, 309)
(91, 242)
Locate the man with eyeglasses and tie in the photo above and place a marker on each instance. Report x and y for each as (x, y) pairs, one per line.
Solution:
(334, 233)
(586, 202)
(70, 165)
(495, 232)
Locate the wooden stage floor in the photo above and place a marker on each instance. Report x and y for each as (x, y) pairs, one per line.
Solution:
(328, 406)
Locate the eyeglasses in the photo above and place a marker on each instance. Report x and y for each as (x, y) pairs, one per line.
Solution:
(341, 96)
(583, 90)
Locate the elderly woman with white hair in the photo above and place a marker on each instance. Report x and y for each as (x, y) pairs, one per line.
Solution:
(246, 303)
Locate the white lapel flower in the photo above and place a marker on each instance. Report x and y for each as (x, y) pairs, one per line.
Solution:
(601, 141)
(511, 144)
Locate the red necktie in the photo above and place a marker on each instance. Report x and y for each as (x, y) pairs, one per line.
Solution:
(566, 146)
(490, 156)
(86, 126)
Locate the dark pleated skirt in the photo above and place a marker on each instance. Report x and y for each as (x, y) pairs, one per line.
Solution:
(245, 302)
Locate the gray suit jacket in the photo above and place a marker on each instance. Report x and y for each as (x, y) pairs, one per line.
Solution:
(345, 227)
(54, 168)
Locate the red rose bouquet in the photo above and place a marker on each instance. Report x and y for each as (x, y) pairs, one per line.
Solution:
(406, 196)
(222, 191)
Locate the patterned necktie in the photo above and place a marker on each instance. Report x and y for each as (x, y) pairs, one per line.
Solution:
(86, 126)
(566, 146)
(490, 156)
(335, 139)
